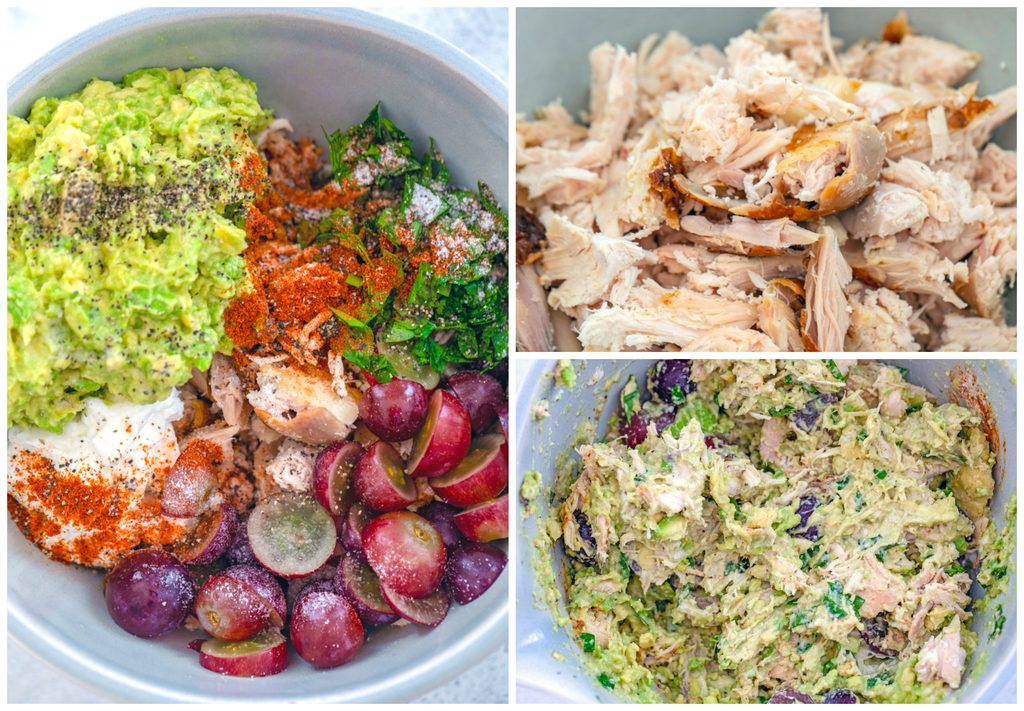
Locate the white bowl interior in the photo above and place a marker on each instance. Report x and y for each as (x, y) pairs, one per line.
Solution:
(319, 69)
(991, 671)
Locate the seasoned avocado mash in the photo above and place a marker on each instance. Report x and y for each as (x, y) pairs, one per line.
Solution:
(122, 242)
(783, 531)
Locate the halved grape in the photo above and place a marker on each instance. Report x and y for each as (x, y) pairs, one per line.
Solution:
(266, 585)
(291, 534)
(325, 629)
(429, 611)
(190, 482)
(332, 476)
(149, 593)
(359, 584)
(472, 569)
(405, 552)
(231, 609)
(211, 538)
(380, 479)
(443, 440)
(358, 516)
(264, 654)
(481, 475)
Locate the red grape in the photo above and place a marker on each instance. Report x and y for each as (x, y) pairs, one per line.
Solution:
(266, 585)
(480, 394)
(325, 629)
(405, 552)
(230, 609)
(472, 569)
(394, 410)
(380, 479)
(441, 517)
(149, 593)
(262, 655)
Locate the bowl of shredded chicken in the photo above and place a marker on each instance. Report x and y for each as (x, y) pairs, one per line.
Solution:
(783, 190)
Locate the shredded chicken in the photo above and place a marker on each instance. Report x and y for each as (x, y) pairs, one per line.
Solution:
(782, 192)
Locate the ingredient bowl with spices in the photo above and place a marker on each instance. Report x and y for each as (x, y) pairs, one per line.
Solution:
(426, 87)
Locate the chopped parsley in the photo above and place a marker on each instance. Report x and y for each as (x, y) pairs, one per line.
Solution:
(589, 642)
(834, 369)
(438, 293)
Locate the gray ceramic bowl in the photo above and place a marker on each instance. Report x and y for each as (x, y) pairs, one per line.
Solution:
(991, 672)
(318, 68)
(552, 46)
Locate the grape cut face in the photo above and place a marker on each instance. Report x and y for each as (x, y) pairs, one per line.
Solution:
(359, 584)
(332, 476)
(210, 539)
(381, 481)
(429, 611)
(405, 552)
(264, 654)
(291, 534)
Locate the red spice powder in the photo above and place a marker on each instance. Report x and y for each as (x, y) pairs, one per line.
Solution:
(299, 294)
(102, 512)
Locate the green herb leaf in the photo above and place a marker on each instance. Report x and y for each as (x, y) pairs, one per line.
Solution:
(589, 642)
(834, 369)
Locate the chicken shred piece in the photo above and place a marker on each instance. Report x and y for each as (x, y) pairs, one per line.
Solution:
(827, 316)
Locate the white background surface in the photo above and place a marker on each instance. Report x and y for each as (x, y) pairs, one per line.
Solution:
(30, 32)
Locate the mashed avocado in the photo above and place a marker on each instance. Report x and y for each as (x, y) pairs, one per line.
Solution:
(776, 530)
(124, 210)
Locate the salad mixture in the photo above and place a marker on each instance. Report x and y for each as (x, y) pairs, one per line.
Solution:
(263, 390)
(778, 531)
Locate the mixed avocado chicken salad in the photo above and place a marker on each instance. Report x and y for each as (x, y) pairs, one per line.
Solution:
(776, 531)
(235, 361)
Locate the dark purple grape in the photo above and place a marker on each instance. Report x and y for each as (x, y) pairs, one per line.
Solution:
(635, 429)
(876, 629)
(806, 418)
(811, 533)
(240, 552)
(480, 394)
(664, 420)
(395, 410)
(790, 696)
(472, 569)
(587, 534)
(808, 504)
(840, 696)
(583, 523)
(671, 380)
(441, 516)
(149, 593)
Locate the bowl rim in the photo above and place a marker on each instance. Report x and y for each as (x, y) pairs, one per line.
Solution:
(492, 627)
